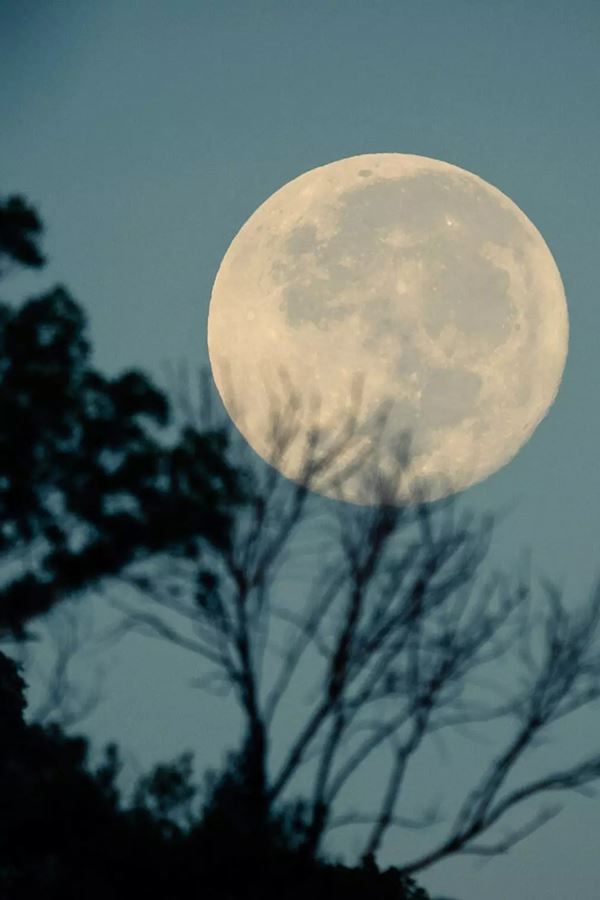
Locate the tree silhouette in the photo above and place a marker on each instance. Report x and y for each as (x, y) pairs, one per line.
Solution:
(66, 833)
(87, 486)
(88, 489)
(20, 234)
(398, 628)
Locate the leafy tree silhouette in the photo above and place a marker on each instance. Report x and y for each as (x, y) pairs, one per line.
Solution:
(20, 234)
(66, 833)
(87, 488)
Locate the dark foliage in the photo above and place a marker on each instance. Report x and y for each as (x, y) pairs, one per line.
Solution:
(65, 833)
(86, 486)
(241, 861)
(20, 232)
(89, 486)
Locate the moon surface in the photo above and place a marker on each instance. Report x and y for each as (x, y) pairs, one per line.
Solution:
(414, 279)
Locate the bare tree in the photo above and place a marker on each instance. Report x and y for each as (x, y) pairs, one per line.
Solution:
(67, 635)
(399, 627)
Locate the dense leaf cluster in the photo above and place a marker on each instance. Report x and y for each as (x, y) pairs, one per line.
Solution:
(88, 484)
(67, 834)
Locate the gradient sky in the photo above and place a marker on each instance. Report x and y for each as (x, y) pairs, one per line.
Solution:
(147, 132)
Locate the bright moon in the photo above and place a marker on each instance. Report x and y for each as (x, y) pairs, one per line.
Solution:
(418, 278)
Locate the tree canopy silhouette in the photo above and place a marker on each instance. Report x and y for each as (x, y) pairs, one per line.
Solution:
(87, 482)
(20, 234)
(67, 833)
(89, 486)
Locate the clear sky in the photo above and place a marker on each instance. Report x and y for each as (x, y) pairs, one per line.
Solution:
(147, 132)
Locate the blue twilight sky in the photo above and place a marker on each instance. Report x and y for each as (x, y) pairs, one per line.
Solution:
(147, 132)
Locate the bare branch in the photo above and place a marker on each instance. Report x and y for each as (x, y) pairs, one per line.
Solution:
(400, 624)
(136, 620)
(426, 820)
(513, 837)
(65, 702)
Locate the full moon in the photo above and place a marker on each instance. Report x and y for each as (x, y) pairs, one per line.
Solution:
(419, 282)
